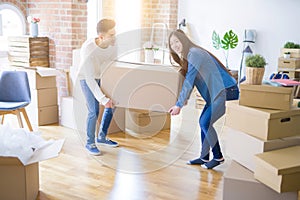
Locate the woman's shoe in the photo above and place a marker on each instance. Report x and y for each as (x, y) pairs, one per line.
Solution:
(197, 161)
(212, 164)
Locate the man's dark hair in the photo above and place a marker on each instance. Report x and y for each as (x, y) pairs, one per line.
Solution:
(105, 25)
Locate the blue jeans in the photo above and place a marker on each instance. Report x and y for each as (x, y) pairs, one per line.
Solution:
(209, 138)
(93, 114)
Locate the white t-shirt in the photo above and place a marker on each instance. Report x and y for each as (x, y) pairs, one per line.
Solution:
(93, 62)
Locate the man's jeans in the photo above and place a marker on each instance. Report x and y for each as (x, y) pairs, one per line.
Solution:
(93, 113)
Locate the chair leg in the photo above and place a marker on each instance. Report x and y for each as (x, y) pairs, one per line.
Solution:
(2, 119)
(17, 112)
(26, 119)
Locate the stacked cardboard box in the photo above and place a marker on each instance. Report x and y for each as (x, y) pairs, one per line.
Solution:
(253, 130)
(43, 108)
(25, 51)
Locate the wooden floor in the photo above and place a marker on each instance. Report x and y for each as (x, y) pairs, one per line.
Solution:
(151, 168)
(141, 168)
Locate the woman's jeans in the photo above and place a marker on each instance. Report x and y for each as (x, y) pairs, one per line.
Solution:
(93, 114)
(209, 138)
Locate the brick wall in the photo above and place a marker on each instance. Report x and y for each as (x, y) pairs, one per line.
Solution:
(64, 22)
(158, 11)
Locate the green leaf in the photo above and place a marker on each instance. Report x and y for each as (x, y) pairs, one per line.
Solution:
(216, 40)
(230, 40)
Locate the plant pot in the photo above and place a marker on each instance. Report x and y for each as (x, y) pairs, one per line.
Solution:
(149, 56)
(286, 55)
(254, 76)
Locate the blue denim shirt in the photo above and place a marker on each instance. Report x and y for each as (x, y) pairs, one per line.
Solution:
(206, 74)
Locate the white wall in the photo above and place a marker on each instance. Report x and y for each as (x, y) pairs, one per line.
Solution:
(275, 21)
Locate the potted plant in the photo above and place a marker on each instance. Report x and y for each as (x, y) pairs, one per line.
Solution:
(255, 69)
(287, 54)
(229, 41)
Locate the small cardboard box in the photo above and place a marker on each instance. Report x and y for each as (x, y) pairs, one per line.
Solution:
(42, 115)
(265, 124)
(279, 169)
(145, 87)
(242, 147)
(44, 97)
(40, 77)
(146, 123)
(266, 96)
(20, 181)
(289, 63)
(239, 183)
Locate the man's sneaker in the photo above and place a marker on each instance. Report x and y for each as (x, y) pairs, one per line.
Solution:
(92, 149)
(107, 142)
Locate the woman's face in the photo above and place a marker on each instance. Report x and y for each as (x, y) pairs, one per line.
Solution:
(176, 45)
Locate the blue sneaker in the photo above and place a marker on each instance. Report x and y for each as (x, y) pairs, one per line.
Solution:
(92, 149)
(107, 142)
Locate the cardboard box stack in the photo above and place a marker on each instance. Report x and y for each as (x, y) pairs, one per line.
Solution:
(43, 108)
(262, 121)
(25, 51)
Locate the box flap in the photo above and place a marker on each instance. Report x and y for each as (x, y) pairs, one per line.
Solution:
(42, 71)
(50, 151)
(282, 161)
(266, 88)
(265, 113)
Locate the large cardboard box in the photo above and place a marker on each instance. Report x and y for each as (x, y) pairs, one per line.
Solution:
(145, 87)
(266, 96)
(240, 184)
(242, 147)
(20, 181)
(265, 124)
(279, 169)
(143, 123)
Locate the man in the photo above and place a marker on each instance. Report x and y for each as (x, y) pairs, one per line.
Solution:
(96, 54)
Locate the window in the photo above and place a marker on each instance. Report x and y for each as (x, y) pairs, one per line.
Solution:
(12, 23)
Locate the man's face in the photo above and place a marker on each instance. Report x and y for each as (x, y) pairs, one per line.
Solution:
(109, 38)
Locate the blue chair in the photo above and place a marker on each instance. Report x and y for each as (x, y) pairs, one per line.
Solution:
(14, 95)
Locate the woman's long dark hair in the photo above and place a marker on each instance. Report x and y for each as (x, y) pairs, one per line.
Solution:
(186, 45)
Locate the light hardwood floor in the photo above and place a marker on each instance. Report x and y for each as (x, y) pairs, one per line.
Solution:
(141, 168)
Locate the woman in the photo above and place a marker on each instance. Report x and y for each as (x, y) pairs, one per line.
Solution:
(215, 84)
